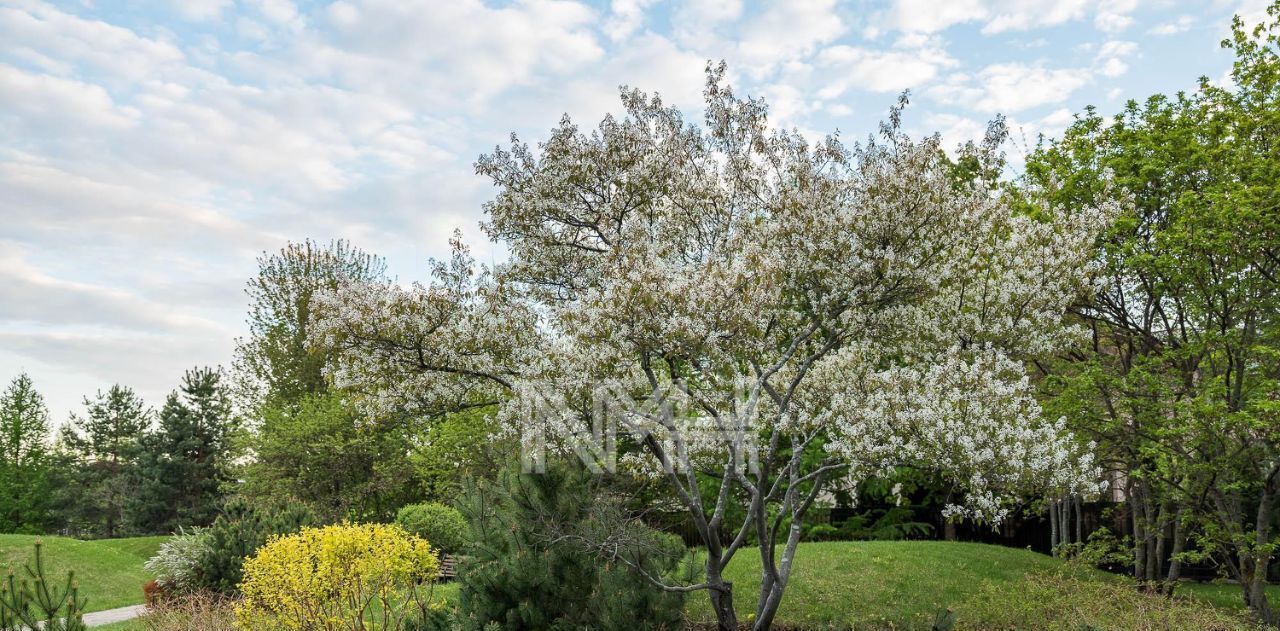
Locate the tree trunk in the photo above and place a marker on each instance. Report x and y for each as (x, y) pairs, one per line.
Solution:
(721, 595)
(1179, 542)
(1079, 520)
(1260, 562)
(1139, 535)
(1155, 561)
(1053, 528)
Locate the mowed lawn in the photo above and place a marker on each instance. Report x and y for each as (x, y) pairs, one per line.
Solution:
(108, 572)
(907, 584)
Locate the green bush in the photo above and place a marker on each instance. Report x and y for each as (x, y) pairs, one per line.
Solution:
(535, 561)
(443, 526)
(238, 532)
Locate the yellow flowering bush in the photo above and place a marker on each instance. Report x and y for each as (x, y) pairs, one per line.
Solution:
(347, 577)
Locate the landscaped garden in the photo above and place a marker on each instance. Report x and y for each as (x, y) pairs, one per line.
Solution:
(725, 375)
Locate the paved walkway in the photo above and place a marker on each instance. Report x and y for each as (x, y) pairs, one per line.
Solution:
(99, 618)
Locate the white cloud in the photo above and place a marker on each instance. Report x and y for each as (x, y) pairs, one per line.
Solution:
(625, 17)
(851, 67)
(1010, 87)
(786, 32)
(203, 10)
(997, 16)
(1182, 24)
(1111, 55)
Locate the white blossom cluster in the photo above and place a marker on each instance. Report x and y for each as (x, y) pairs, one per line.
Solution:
(746, 300)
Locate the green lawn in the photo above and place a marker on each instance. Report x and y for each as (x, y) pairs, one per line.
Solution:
(906, 584)
(1225, 595)
(109, 572)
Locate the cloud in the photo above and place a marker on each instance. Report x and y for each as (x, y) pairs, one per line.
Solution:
(625, 17)
(853, 67)
(1110, 59)
(998, 16)
(1182, 24)
(1009, 88)
(786, 32)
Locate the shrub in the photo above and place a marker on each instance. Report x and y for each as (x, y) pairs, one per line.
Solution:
(337, 577)
(238, 532)
(443, 526)
(349, 576)
(177, 563)
(196, 611)
(534, 562)
(36, 602)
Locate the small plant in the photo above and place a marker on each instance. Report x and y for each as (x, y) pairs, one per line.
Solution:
(34, 603)
(202, 611)
(237, 533)
(443, 526)
(346, 577)
(177, 562)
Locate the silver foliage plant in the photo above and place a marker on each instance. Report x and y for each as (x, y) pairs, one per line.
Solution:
(176, 564)
(780, 317)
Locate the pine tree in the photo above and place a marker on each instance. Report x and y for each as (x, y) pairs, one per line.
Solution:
(183, 463)
(24, 461)
(106, 443)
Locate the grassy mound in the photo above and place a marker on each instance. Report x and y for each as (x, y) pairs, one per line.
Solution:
(907, 584)
(109, 572)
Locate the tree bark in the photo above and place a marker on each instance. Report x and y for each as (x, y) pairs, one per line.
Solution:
(1179, 542)
(1139, 535)
(1260, 562)
(1052, 527)
(1079, 520)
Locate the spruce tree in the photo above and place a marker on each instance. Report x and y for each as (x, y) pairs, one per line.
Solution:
(106, 443)
(184, 462)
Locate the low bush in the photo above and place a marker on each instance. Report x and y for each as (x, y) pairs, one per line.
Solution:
(347, 577)
(176, 564)
(196, 611)
(237, 533)
(443, 526)
(548, 552)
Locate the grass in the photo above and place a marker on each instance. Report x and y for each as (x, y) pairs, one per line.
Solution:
(1224, 595)
(109, 572)
(907, 584)
(143, 547)
(876, 582)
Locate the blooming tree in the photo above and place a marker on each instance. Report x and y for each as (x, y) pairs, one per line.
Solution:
(774, 316)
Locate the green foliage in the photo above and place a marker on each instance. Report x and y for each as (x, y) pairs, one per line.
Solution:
(25, 463)
(278, 362)
(456, 447)
(238, 532)
(1178, 381)
(184, 463)
(535, 561)
(442, 525)
(35, 601)
(176, 564)
(323, 453)
(104, 446)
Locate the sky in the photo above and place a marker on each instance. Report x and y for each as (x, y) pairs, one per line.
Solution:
(150, 151)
